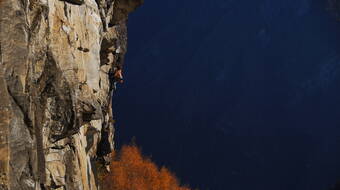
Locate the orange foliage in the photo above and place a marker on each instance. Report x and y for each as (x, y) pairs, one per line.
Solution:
(131, 171)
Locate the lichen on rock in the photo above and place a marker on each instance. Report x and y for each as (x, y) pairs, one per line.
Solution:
(56, 121)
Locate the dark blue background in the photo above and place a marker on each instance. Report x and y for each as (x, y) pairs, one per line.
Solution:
(235, 94)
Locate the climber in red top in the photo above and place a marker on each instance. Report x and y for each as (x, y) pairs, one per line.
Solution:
(118, 76)
(115, 76)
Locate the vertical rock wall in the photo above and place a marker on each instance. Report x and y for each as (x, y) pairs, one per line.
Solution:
(56, 58)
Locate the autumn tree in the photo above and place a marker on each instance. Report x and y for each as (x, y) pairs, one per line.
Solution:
(132, 171)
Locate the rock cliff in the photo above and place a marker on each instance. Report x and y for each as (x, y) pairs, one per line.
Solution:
(58, 60)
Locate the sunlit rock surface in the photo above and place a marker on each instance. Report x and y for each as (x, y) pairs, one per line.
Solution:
(56, 123)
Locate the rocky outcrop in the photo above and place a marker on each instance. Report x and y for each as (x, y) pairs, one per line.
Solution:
(56, 58)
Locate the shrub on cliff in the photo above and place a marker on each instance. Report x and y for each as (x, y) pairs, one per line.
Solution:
(132, 171)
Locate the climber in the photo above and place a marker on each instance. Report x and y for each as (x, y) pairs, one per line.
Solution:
(118, 76)
(115, 77)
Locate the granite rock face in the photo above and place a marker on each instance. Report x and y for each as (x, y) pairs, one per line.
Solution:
(56, 121)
